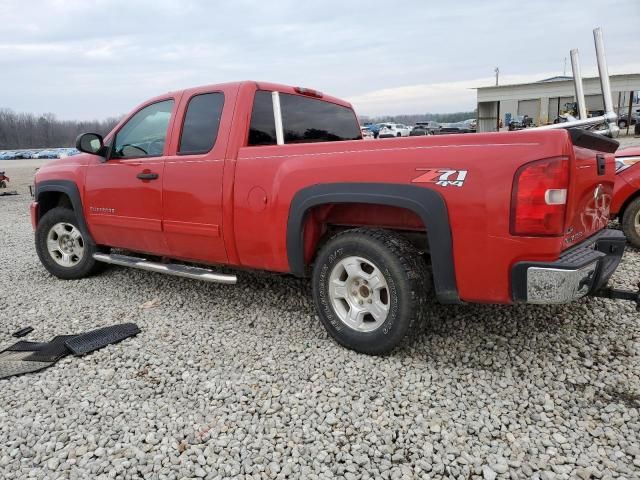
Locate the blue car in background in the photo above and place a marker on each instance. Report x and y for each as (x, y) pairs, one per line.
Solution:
(373, 128)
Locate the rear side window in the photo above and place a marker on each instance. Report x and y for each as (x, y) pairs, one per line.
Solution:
(311, 120)
(201, 123)
(262, 129)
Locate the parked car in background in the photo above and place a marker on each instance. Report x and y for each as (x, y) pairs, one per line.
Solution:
(524, 121)
(46, 154)
(374, 128)
(625, 204)
(457, 127)
(472, 123)
(367, 134)
(623, 119)
(424, 128)
(388, 130)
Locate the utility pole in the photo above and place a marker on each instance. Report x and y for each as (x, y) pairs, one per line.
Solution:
(497, 70)
(564, 70)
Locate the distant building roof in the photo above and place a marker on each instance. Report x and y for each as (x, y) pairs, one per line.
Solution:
(631, 79)
(557, 78)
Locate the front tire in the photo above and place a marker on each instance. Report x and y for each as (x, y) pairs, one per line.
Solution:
(370, 288)
(62, 248)
(631, 223)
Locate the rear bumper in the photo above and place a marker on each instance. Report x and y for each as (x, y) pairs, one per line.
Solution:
(581, 270)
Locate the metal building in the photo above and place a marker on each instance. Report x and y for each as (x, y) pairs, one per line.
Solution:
(545, 100)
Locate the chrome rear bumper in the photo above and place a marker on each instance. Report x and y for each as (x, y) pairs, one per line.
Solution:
(581, 270)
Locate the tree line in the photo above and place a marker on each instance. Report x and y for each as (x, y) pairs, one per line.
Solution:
(423, 117)
(26, 130)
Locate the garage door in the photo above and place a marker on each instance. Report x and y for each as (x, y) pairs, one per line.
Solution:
(529, 107)
(594, 102)
(557, 106)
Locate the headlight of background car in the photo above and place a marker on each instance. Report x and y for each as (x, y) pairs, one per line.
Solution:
(622, 163)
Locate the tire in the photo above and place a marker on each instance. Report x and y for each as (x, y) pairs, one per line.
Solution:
(398, 134)
(631, 222)
(388, 276)
(58, 230)
(622, 124)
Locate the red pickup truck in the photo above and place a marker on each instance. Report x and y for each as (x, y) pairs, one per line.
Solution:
(626, 193)
(262, 176)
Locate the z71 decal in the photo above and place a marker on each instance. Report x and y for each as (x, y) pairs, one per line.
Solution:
(443, 177)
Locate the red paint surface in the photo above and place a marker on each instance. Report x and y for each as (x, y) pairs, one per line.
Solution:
(627, 185)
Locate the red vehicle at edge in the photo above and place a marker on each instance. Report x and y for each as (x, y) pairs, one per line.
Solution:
(263, 176)
(626, 193)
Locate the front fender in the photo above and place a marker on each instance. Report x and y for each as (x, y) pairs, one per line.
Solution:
(70, 189)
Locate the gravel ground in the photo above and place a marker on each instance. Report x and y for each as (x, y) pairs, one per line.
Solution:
(242, 382)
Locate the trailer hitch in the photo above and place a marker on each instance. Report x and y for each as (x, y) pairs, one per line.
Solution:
(617, 294)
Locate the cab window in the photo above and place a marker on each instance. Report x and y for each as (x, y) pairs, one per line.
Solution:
(307, 120)
(145, 133)
(262, 129)
(201, 123)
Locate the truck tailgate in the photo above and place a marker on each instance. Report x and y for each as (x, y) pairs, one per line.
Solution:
(591, 185)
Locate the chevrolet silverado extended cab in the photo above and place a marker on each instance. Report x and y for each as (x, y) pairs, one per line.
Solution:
(262, 176)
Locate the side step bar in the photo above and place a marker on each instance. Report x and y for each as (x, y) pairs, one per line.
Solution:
(195, 273)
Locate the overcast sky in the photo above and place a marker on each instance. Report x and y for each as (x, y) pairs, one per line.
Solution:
(83, 59)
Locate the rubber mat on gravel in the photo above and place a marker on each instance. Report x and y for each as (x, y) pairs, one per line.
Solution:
(14, 363)
(51, 351)
(95, 339)
(25, 357)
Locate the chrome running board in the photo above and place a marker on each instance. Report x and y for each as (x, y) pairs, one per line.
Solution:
(195, 273)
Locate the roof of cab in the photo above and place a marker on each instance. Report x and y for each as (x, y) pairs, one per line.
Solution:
(277, 87)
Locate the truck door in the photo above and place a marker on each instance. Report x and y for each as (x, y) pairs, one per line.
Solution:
(192, 185)
(123, 203)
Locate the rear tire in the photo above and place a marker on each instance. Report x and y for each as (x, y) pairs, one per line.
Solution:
(631, 222)
(370, 288)
(62, 248)
(622, 124)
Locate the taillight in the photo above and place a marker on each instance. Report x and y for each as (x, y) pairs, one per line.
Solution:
(539, 198)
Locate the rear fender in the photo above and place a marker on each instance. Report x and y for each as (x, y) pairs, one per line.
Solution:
(427, 204)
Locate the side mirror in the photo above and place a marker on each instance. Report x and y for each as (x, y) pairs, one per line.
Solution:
(91, 143)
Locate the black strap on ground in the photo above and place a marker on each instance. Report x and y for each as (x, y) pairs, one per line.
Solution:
(23, 332)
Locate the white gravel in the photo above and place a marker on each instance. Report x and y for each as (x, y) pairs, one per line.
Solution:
(242, 382)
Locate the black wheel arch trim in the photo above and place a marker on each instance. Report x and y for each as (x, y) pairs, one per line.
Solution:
(70, 189)
(428, 204)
